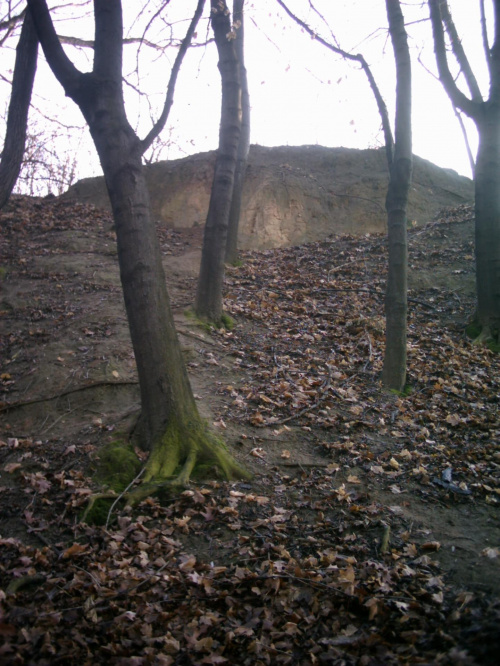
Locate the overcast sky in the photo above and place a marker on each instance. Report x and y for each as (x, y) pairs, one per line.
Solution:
(301, 93)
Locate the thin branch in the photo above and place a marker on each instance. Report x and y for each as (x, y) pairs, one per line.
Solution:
(359, 58)
(64, 70)
(122, 494)
(459, 53)
(169, 100)
(56, 396)
(458, 99)
(484, 34)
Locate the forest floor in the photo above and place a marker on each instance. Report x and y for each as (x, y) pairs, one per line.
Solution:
(370, 531)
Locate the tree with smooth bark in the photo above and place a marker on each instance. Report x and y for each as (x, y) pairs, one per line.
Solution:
(20, 100)
(396, 299)
(208, 305)
(244, 143)
(485, 113)
(169, 427)
(399, 161)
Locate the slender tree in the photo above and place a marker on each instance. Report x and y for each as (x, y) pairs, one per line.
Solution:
(169, 426)
(20, 100)
(244, 142)
(486, 115)
(399, 160)
(208, 304)
(396, 299)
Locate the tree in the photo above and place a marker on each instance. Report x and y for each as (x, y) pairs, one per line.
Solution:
(208, 304)
(20, 99)
(399, 161)
(486, 116)
(396, 299)
(244, 142)
(169, 425)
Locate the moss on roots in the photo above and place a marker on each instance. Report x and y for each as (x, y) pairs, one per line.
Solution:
(182, 453)
(118, 466)
(483, 336)
(178, 455)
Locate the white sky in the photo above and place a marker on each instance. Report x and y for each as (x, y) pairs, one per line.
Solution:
(301, 93)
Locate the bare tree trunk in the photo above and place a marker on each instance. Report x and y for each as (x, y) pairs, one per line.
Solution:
(20, 99)
(486, 116)
(487, 229)
(211, 279)
(244, 142)
(396, 302)
(169, 426)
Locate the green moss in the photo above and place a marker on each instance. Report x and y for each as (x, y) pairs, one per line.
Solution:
(227, 321)
(407, 391)
(201, 323)
(98, 513)
(237, 263)
(118, 466)
(473, 330)
(494, 346)
(483, 336)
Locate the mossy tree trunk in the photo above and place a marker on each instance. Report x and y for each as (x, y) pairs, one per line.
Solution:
(396, 300)
(170, 426)
(17, 117)
(208, 305)
(244, 142)
(486, 115)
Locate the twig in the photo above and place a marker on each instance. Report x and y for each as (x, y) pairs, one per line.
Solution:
(121, 495)
(56, 396)
(197, 337)
(347, 263)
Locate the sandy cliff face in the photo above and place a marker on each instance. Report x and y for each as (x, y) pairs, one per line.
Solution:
(293, 195)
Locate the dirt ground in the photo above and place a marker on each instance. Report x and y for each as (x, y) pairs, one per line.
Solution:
(68, 384)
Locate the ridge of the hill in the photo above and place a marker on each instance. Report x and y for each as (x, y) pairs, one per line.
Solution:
(293, 194)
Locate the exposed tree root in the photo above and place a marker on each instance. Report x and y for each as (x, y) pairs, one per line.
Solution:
(177, 455)
(486, 336)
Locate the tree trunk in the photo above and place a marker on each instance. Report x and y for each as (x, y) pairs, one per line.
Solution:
(487, 228)
(396, 302)
(486, 115)
(20, 99)
(208, 304)
(244, 142)
(169, 426)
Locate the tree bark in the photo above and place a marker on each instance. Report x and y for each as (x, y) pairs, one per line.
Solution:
(169, 426)
(20, 100)
(396, 302)
(208, 304)
(244, 142)
(487, 228)
(486, 116)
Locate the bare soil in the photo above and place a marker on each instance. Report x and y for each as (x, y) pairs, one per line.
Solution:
(69, 385)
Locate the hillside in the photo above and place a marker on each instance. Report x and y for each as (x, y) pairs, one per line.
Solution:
(369, 533)
(293, 195)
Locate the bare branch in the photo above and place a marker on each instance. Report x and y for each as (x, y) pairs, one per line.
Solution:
(382, 108)
(484, 33)
(65, 71)
(457, 97)
(459, 53)
(169, 100)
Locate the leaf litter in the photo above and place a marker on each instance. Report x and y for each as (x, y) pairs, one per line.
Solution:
(327, 556)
